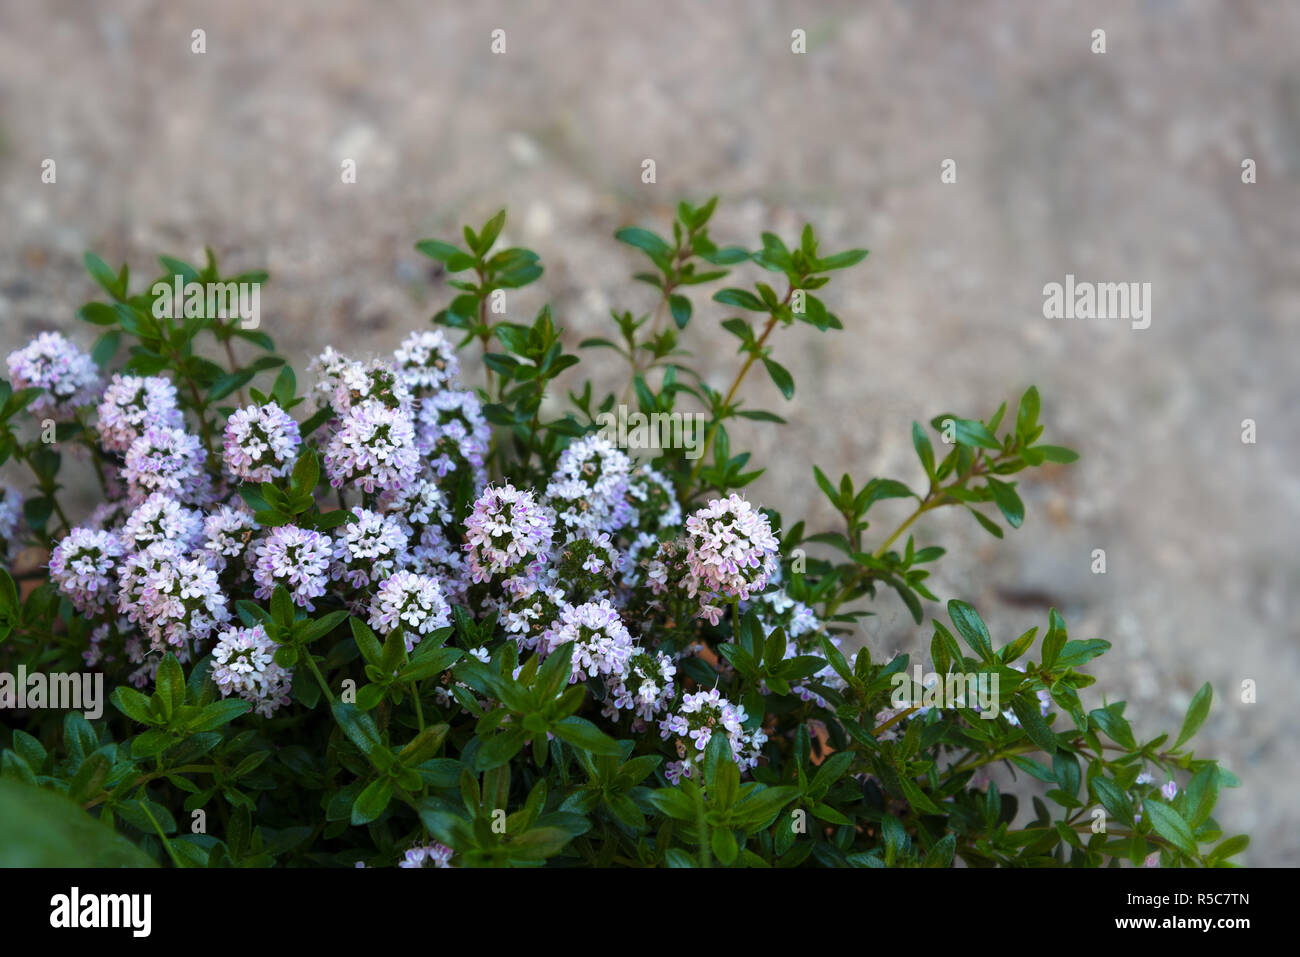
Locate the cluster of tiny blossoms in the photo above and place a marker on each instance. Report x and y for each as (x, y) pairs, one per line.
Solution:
(67, 376)
(601, 547)
(244, 664)
(695, 720)
(731, 552)
(261, 443)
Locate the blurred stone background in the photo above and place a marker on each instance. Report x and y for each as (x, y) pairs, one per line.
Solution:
(1117, 167)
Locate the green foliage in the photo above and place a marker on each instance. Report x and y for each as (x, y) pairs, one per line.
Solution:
(504, 760)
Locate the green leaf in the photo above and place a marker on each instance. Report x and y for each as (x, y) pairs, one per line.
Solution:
(1197, 712)
(924, 448)
(40, 828)
(436, 249)
(1114, 725)
(1113, 799)
(1031, 720)
(850, 257)
(358, 726)
(644, 240)
(372, 802)
(218, 713)
(1027, 412)
(1007, 501)
(1233, 845)
(680, 307)
(103, 275)
(583, 734)
(170, 684)
(781, 376)
(724, 844)
(1170, 825)
(972, 628)
(1056, 453)
(942, 853)
(740, 298)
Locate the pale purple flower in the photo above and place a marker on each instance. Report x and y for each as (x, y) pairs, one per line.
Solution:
(507, 533)
(435, 555)
(261, 443)
(367, 548)
(693, 723)
(731, 551)
(84, 566)
(227, 532)
(420, 504)
(587, 563)
(161, 518)
(243, 663)
(1170, 790)
(130, 404)
(373, 448)
(174, 599)
(359, 383)
(645, 687)
(430, 855)
(535, 604)
(411, 602)
(297, 558)
(53, 363)
(170, 460)
(11, 515)
(452, 433)
(426, 361)
(589, 489)
(602, 645)
(654, 499)
(329, 366)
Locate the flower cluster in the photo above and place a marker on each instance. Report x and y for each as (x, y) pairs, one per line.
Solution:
(589, 489)
(508, 533)
(731, 552)
(602, 645)
(695, 720)
(429, 855)
(373, 448)
(368, 548)
(426, 361)
(645, 688)
(52, 363)
(411, 602)
(244, 664)
(261, 443)
(452, 433)
(11, 516)
(173, 599)
(84, 566)
(161, 518)
(297, 558)
(167, 459)
(129, 404)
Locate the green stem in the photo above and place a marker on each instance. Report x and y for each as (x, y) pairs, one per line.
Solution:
(320, 679)
(754, 353)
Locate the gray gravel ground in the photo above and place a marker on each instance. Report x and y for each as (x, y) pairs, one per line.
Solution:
(1116, 167)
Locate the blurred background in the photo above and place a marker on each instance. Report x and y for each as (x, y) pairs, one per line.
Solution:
(1115, 167)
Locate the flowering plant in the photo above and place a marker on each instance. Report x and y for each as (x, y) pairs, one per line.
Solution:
(393, 619)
